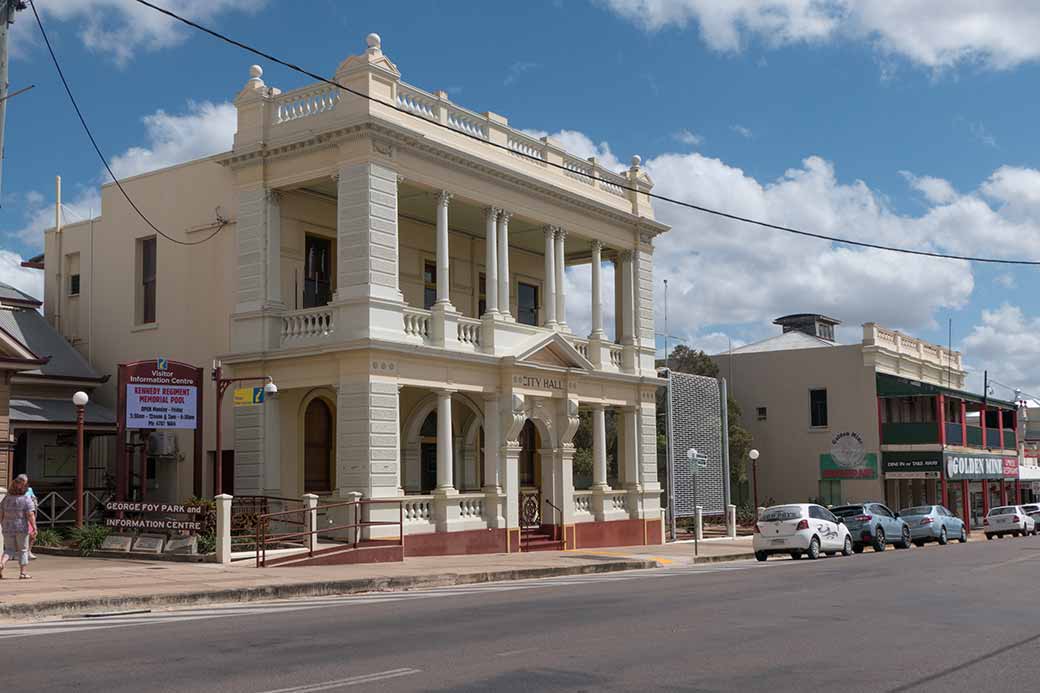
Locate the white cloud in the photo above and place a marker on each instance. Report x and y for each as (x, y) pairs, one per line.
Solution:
(203, 129)
(742, 131)
(517, 69)
(979, 132)
(579, 292)
(688, 137)
(935, 190)
(1007, 344)
(120, 28)
(12, 273)
(1006, 280)
(997, 34)
(206, 128)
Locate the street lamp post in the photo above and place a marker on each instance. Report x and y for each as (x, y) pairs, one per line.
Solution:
(222, 385)
(753, 454)
(80, 400)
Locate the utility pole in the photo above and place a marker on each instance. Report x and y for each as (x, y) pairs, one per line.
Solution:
(7, 10)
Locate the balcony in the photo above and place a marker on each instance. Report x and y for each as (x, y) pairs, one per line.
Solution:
(927, 433)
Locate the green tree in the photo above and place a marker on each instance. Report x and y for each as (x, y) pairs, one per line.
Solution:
(683, 359)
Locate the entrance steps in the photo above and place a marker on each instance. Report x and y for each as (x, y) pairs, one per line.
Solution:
(539, 539)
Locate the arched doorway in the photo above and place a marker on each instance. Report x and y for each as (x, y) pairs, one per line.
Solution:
(428, 454)
(317, 447)
(530, 470)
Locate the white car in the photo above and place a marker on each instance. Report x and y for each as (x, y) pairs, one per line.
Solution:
(805, 528)
(1009, 519)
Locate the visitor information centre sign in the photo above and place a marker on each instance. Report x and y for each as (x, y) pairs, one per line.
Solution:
(161, 394)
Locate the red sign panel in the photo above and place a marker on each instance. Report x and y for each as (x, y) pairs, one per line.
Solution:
(1010, 467)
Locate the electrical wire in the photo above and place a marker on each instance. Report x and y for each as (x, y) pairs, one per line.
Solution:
(221, 223)
(663, 198)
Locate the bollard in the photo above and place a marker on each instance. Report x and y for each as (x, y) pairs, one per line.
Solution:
(698, 522)
(223, 554)
(310, 520)
(3, 494)
(355, 535)
(731, 521)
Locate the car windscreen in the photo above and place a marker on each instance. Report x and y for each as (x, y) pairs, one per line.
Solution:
(919, 510)
(847, 510)
(1003, 510)
(1031, 508)
(782, 513)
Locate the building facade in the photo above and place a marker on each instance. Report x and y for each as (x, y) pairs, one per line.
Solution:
(884, 419)
(397, 265)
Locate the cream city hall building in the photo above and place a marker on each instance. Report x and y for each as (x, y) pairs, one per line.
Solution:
(404, 284)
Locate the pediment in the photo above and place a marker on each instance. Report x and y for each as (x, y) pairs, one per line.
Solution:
(553, 350)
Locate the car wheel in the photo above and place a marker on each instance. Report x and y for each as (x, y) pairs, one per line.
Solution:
(904, 539)
(848, 549)
(964, 535)
(814, 549)
(943, 539)
(879, 540)
(918, 543)
(796, 555)
(989, 537)
(761, 555)
(857, 548)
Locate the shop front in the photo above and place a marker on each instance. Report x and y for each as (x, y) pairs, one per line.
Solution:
(913, 478)
(985, 480)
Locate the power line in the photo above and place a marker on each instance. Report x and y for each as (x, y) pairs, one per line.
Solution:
(221, 223)
(663, 198)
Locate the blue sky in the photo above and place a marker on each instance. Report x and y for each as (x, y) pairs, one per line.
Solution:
(909, 126)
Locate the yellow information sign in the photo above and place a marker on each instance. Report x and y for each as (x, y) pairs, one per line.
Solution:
(249, 396)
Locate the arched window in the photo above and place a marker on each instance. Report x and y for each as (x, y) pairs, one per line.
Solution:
(317, 448)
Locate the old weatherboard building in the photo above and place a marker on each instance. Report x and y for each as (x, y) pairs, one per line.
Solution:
(403, 282)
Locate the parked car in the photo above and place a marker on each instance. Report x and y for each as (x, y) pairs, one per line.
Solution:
(1033, 510)
(802, 529)
(933, 523)
(1008, 519)
(874, 524)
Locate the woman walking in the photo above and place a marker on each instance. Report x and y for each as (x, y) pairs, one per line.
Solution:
(18, 522)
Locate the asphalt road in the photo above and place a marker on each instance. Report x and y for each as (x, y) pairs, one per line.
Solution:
(955, 618)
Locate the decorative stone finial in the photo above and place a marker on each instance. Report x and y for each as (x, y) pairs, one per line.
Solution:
(256, 72)
(636, 160)
(374, 41)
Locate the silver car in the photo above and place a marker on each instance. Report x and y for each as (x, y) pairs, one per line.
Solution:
(933, 523)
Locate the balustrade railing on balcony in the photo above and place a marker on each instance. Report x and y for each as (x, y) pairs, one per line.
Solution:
(418, 510)
(469, 331)
(616, 352)
(417, 323)
(471, 506)
(308, 101)
(974, 436)
(583, 504)
(309, 322)
(581, 346)
(954, 433)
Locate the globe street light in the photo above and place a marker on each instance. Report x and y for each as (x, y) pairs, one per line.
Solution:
(80, 400)
(753, 454)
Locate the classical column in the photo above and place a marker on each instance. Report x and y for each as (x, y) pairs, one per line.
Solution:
(597, 304)
(549, 293)
(445, 471)
(492, 455)
(630, 454)
(503, 265)
(491, 262)
(599, 448)
(627, 317)
(443, 259)
(561, 291)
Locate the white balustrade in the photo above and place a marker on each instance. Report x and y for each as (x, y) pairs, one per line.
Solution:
(417, 509)
(469, 123)
(471, 507)
(617, 501)
(309, 322)
(581, 346)
(583, 503)
(417, 323)
(417, 101)
(578, 170)
(308, 101)
(611, 182)
(616, 351)
(526, 145)
(469, 331)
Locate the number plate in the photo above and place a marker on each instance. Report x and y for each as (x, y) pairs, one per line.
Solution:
(778, 541)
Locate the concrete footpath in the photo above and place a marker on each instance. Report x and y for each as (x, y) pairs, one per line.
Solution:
(62, 584)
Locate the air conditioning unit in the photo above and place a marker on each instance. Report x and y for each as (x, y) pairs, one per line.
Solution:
(162, 444)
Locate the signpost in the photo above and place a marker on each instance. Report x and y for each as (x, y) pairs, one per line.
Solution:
(157, 394)
(249, 396)
(697, 463)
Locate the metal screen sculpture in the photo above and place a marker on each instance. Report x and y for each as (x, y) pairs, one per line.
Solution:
(697, 420)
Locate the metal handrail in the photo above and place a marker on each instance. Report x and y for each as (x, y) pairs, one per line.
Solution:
(262, 538)
(559, 515)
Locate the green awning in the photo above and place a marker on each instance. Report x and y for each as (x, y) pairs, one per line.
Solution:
(894, 386)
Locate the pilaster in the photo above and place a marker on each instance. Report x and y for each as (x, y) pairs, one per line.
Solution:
(367, 436)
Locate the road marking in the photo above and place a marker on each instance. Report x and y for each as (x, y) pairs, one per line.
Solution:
(510, 653)
(350, 681)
